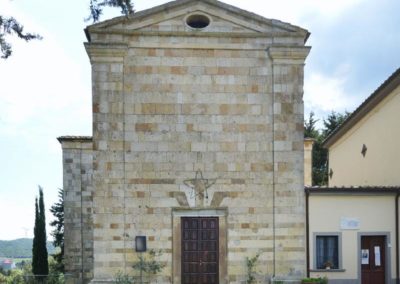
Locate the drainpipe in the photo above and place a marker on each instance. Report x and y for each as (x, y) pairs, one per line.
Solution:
(308, 234)
(273, 165)
(397, 237)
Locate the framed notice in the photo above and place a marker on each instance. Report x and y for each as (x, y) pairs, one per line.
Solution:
(347, 223)
(377, 251)
(364, 256)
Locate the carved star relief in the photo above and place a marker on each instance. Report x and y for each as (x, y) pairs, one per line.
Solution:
(199, 185)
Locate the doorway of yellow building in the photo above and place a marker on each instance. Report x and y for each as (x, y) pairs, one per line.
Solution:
(373, 256)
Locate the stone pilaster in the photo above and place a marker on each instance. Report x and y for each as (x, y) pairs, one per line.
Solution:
(108, 161)
(288, 159)
(308, 148)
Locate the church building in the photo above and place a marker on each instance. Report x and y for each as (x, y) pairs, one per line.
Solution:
(197, 148)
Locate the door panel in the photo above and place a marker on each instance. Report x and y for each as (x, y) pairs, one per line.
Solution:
(373, 259)
(200, 250)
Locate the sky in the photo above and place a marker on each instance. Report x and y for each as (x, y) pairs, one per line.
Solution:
(45, 86)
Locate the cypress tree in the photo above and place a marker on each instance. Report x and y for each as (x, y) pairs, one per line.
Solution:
(40, 265)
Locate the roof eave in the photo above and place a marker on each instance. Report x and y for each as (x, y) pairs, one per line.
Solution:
(62, 139)
(353, 190)
(371, 102)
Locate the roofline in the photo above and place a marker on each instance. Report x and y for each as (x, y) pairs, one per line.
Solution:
(177, 3)
(384, 190)
(371, 102)
(62, 139)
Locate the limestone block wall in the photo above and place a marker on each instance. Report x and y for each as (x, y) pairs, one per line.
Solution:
(170, 103)
(78, 225)
(160, 114)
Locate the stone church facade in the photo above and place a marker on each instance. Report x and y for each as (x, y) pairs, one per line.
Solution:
(197, 145)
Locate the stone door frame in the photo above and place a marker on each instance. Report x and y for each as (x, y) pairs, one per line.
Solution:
(177, 213)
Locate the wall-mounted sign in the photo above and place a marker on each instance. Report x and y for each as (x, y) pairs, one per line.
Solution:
(347, 223)
(140, 244)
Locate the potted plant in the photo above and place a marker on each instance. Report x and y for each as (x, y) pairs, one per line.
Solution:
(328, 264)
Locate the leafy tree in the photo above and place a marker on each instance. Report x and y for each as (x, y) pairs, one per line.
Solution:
(96, 8)
(320, 155)
(40, 265)
(310, 130)
(55, 276)
(10, 26)
(333, 120)
(58, 233)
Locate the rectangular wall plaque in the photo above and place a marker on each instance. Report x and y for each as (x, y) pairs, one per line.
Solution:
(347, 223)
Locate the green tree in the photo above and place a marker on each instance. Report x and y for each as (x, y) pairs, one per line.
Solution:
(40, 265)
(333, 120)
(96, 8)
(310, 130)
(57, 209)
(10, 26)
(320, 155)
(319, 162)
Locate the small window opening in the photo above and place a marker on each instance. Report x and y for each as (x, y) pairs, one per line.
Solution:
(327, 252)
(197, 21)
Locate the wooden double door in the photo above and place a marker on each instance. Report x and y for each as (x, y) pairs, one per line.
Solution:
(373, 257)
(200, 250)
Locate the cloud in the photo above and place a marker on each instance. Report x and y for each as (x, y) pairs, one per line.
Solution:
(45, 92)
(298, 12)
(327, 92)
(49, 83)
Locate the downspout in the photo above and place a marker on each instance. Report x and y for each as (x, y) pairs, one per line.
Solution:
(397, 236)
(308, 234)
(273, 171)
(125, 235)
(273, 157)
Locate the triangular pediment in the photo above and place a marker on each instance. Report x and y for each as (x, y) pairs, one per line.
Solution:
(172, 17)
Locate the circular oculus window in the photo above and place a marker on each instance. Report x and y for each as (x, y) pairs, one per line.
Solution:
(197, 21)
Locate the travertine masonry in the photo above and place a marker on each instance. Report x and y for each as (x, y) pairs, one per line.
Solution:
(170, 101)
(78, 206)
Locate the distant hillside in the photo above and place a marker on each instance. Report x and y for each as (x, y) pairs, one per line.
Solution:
(20, 248)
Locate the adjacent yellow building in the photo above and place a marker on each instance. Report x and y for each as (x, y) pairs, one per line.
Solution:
(353, 225)
(364, 150)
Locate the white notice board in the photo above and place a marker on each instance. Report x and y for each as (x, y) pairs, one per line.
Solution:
(347, 223)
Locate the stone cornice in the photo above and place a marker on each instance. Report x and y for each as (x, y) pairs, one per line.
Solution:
(76, 142)
(116, 31)
(288, 54)
(106, 51)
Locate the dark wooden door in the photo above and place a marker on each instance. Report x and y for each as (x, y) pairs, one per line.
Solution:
(200, 250)
(373, 259)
